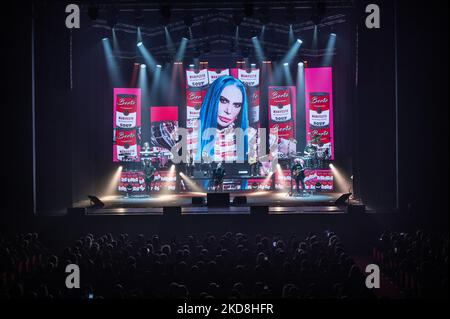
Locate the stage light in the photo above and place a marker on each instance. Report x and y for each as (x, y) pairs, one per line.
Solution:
(254, 38)
(343, 183)
(301, 81)
(315, 38)
(181, 50)
(115, 40)
(190, 183)
(159, 66)
(299, 41)
(169, 42)
(111, 64)
(329, 51)
(191, 66)
(143, 82)
(291, 35)
(262, 34)
(113, 182)
(253, 65)
(258, 49)
(286, 64)
(148, 58)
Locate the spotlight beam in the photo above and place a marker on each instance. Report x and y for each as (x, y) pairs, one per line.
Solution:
(191, 184)
(287, 59)
(148, 58)
(181, 50)
(258, 49)
(329, 51)
(111, 63)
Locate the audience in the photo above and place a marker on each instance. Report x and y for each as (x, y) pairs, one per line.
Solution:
(227, 266)
(417, 262)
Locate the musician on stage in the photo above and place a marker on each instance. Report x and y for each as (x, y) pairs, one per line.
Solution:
(254, 162)
(298, 174)
(145, 147)
(218, 176)
(149, 171)
(190, 166)
(206, 164)
(310, 149)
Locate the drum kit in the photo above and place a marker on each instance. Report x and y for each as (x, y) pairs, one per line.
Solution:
(313, 160)
(157, 158)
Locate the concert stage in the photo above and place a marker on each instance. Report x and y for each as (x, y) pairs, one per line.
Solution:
(277, 203)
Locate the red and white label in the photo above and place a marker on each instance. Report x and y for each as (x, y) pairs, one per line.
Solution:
(194, 100)
(214, 74)
(126, 110)
(281, 113)
(319, 112)
(197, 80)
(126, 144)
(249, 78)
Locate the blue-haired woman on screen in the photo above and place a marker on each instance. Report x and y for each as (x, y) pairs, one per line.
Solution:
(224, 109)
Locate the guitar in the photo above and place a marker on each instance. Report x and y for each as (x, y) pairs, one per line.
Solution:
(297, 172)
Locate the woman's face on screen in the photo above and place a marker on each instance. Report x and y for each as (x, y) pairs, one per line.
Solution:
(230, 105)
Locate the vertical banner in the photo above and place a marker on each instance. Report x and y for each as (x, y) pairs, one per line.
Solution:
(251, 79)
(164, 129)
(282, 119)
(196, 86)
(126, 125)
(319, 109)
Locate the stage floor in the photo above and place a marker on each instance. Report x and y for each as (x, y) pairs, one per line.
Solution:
(278, 203)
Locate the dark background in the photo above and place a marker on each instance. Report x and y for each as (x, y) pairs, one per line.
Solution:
(422, 81)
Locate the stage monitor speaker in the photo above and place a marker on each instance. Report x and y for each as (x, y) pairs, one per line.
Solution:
(198, 200)
(342, 201)
(172, 211)
(259, 210)
(96, 202)
(356, 209)
(240, 200)
(218, 199)
(76, 211)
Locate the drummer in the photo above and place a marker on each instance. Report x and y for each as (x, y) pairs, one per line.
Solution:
(310, 149)
(310, 153)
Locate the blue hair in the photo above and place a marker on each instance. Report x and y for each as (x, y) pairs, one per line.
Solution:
(209, 112)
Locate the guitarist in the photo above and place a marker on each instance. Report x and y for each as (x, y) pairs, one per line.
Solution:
(298, 174)
(149, 171)
(218, 175)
